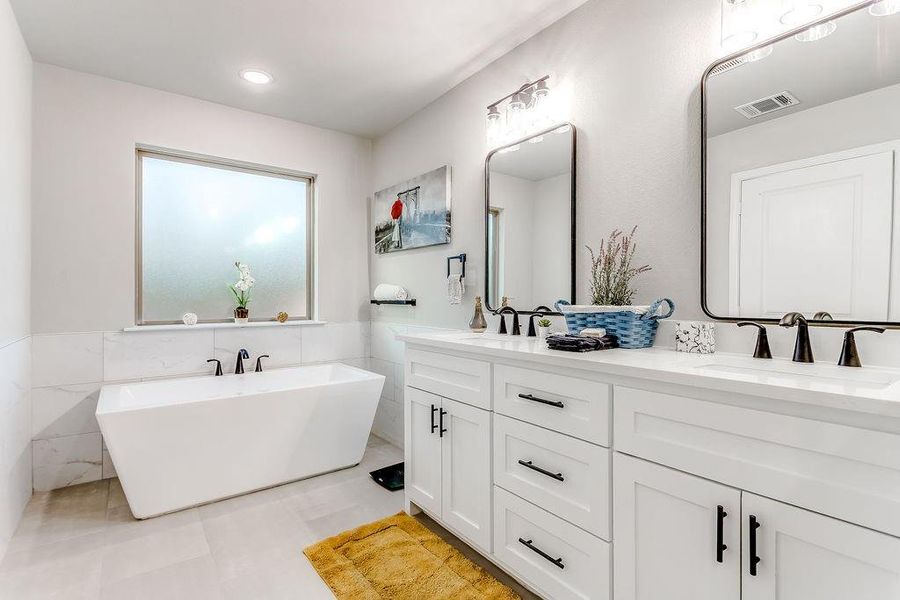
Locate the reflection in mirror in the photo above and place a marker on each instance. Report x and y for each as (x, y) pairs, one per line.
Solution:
(529, 214)
(802, 151)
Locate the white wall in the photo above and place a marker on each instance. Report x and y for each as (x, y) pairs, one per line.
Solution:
(86, 128)
(15, 273)
(551, 243)
(85, 132)
(860, 120)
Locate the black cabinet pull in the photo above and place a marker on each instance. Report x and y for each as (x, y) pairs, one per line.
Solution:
(542, 401)
(530, 465)
(754, 557)
(556, 561)
(720, 533)
(433, 425)
(441, 420)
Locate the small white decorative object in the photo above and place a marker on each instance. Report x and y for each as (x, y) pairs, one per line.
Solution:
(189, 318)
(698, 337)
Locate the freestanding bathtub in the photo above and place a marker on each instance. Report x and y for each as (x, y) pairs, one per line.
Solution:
(181, 442)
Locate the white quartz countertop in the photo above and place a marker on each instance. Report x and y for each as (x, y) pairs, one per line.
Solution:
(872, 390)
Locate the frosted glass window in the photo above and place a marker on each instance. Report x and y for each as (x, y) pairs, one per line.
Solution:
(198, 218)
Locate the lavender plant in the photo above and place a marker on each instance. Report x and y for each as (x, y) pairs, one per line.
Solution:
(611, 269)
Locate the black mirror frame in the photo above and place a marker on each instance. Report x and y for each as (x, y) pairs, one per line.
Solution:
(487, 209)
(704, 103)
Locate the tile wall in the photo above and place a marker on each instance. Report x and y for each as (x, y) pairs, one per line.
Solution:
(69, 369)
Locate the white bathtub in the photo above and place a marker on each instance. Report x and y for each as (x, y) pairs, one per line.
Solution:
(182, 442)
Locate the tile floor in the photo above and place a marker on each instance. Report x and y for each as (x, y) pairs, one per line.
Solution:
(82, 542)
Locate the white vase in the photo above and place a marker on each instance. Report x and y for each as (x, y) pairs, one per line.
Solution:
(543, 332)
(698, 337)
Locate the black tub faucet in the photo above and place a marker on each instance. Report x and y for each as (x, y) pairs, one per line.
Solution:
(259, 362)
(515, 326)
(241, 356)
(802, 349)
(849, 353)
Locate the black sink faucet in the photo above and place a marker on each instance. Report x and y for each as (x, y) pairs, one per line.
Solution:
(515, 326)
(802, 349)
(849, 353)
(241, 356)
(259, 362)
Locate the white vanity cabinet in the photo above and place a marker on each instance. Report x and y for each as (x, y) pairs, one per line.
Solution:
(447, 456)
(561, 469)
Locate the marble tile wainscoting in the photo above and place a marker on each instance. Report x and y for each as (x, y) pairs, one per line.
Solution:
(70, 368)
(15, 436)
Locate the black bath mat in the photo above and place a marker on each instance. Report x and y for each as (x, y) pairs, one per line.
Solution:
(390, 478)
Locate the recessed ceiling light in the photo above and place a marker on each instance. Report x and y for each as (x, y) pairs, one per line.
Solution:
(256, 76)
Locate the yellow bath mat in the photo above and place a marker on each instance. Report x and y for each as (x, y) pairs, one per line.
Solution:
(401, 559)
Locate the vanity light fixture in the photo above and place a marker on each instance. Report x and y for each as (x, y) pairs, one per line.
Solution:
(801, 11)
(526, 112)
(256, 76)
(758, 54)
(884, 8)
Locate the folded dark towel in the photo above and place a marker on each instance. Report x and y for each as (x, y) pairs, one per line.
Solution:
(577, 343)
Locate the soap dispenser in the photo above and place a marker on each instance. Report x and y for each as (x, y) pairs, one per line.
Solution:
(478, 324)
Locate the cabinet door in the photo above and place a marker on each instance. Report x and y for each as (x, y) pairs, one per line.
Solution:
(803, 555)
(667, 527)
(466, 468)
(422, 451)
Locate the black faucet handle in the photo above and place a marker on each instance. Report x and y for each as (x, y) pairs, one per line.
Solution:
(849, 353)
(244, 354)
(259, 362)
(218, 366)
(762, 339)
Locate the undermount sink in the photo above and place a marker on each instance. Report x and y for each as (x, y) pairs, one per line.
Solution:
(859, 377)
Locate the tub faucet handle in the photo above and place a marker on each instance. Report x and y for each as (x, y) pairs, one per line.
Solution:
(241, 356)
(218, 366)
(259, 362)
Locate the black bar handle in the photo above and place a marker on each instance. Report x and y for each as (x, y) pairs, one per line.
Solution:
(433, 425)
(555, 403)
(754, 557)
(530, 465)
(720, 533)
(441, 420)
(556, 561)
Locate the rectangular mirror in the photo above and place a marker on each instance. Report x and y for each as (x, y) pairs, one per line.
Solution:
(530, 221)
(801, 148)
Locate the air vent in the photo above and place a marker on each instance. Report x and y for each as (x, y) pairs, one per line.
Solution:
(727, 66)
(767, 105)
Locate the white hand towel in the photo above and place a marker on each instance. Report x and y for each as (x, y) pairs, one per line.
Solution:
(456, 288)
(387, 291)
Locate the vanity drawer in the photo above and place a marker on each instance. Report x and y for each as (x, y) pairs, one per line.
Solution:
(583, 570)
(462, 379)
(847, 472)
(570, 405)
(566, 476)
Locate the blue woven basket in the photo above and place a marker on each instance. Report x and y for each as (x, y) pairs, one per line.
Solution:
(634, 330)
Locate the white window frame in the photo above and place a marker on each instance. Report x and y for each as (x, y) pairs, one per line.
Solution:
(203, 160)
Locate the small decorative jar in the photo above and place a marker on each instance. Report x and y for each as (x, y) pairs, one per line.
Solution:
(241, 315)
(478, 324)
(698, 337)
(189, 318)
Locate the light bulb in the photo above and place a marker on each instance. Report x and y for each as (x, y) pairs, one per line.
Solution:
(883, 8)
(801, 11)
(256, 76)
(493, 126)
(739, 26)
(816, 32)
(514, 114)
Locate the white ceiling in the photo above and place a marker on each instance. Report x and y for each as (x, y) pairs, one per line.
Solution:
(359, 66)
(535, 162)
(862, 55)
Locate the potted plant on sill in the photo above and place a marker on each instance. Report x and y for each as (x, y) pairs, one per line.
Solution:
(241, 291)
(612, 294)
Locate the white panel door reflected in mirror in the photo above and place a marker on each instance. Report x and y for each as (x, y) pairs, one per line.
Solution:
(801, 176)
(529, 213)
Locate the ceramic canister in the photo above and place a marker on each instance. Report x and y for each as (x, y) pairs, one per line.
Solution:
(695, 336)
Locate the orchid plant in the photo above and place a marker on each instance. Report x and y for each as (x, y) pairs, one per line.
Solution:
(241, 289)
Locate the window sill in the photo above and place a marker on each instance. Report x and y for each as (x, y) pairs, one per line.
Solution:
(183, 327)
